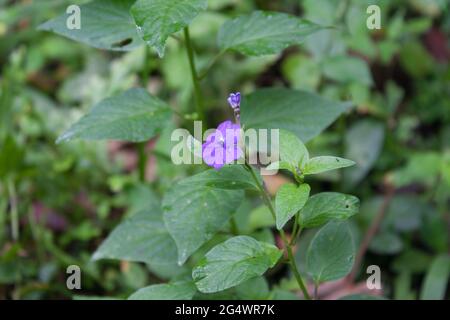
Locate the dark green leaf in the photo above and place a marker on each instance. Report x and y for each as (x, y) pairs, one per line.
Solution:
(143, 237)
(133, 115)
(263, 33)
(325, 206)
(194, 211)
(182, 290)
(230, 177)
(331, 253)
(105, 24)
(302, 113)
(156, 20)
(233, 262)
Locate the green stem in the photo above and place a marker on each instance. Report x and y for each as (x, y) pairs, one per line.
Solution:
(195, 78)
(233, 226)
(142, 160)
(291, 258)
(13, 210)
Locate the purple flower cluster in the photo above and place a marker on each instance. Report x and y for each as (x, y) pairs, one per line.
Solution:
(222, 146)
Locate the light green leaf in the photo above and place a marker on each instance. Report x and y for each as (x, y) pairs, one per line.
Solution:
(194, 211)
(325, 206)
(436, 280)
(302, 113)
(105, 24)
(262, 33)
(289, 200)
(156, 20)
(326, 163)
(279, 165)
(133, 116)
(230, 177)
(143, 238)
(182, 290)
(292, 150)
(331, 253)
(233, 262)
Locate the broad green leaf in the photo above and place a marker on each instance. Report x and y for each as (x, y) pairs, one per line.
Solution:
(182, 290)
(364, 141)
(262, 33)
(253, 289)
(331, 253)
(229, 177)
(292, 150)
(289, 200)
(105, 24)
(325, 206)
(156, 20)
(133, 116)
(194, 211)
(436, 280)
(143, 238)
(232, 262)
(326, 163)
(302, 113)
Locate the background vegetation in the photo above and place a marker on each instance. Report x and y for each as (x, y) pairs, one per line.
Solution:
(59, 201)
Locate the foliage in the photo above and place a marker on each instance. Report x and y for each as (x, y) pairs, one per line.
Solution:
(364, 156)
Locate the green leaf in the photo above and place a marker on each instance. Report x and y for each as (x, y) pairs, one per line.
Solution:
(262, 33)
(143, 238)
(364, 141)
(133, 116)
(436, 280)
(289, 200)
(325, 206)
(302, 113)
(158, 19)
(233, 262)
(194, 211)
(331, 253)
(230, 177)
(105, 24)
(292, 150)
(182, 290)
(326, 163)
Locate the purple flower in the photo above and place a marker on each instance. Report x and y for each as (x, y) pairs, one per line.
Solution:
(222, 146)
(234, 99)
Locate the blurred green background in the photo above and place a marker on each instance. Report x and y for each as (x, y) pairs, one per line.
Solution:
(57, 202)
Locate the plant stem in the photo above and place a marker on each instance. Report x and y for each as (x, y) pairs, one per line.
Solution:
(13, 210)
(287, 246)
(234, 227)
(195, 78)
(142, 160)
